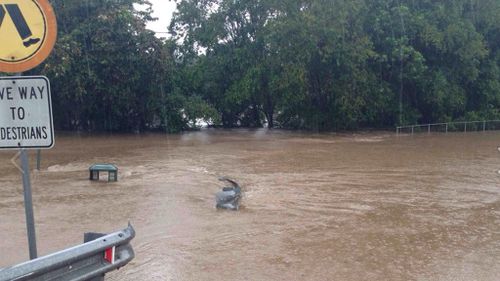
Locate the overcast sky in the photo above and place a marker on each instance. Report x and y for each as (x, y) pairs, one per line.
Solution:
(163, 10)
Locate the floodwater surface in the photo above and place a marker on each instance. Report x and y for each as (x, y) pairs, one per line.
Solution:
(368, 206)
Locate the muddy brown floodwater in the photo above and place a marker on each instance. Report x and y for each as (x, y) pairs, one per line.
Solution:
(316, 207)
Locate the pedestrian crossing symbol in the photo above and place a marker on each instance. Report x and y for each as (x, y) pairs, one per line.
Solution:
(27, 33)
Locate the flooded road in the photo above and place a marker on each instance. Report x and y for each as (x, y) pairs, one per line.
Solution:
(316, 207)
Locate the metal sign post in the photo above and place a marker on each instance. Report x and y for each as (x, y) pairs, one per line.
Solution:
(26, 123)
(8, 137)
(28, 205)
(38, 159)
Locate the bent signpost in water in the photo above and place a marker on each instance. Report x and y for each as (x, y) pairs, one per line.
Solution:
(229, 197)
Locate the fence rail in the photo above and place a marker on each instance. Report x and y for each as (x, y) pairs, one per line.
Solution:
(463, 126)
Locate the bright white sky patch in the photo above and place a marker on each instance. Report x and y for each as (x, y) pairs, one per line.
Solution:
(163, 10)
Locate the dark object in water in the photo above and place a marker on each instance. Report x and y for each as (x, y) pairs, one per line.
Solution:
(229, 197)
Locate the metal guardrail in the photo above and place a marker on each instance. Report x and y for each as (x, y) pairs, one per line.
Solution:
(463, 126)
(81, 263)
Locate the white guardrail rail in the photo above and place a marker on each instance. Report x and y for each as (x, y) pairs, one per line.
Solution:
(89, 261)
(462, 126)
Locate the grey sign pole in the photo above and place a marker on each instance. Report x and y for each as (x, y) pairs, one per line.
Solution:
(38, 158)
(28, 202)
(37, 117)
(28, 205)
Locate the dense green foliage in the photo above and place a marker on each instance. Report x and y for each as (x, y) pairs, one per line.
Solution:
(108, 72)
(335, 64)
(315, 64)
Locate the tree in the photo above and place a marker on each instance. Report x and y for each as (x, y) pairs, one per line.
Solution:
(316, 64)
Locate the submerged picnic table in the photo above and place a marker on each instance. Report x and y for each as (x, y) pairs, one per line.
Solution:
(110, 168)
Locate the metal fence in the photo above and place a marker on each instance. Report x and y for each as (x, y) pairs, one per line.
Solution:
(89, 261)
(465, 126)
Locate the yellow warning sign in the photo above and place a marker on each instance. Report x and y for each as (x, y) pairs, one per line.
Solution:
(28, 32)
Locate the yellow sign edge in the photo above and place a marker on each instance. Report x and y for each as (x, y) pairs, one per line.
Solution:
(46, 48)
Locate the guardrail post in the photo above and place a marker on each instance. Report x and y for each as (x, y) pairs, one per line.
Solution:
(446, 127)
(429, 129)
(484, 126)
(465, 130)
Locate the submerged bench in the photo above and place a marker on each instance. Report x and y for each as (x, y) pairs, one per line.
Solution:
(110, 168)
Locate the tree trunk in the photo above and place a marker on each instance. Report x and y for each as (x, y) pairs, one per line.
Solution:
(270, 119)
(256, 116)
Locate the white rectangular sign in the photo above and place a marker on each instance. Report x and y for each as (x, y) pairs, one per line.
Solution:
(25, 113)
